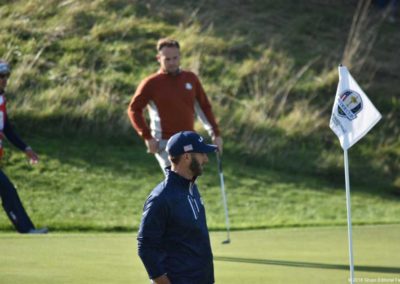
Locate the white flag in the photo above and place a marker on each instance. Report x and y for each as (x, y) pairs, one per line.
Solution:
(353, 114)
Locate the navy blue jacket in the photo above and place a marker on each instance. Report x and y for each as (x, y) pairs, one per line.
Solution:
(13, 137)
(173, 236)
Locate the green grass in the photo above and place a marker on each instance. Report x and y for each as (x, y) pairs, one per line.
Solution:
(302, 255)
(269, 69)
(84, 183)
(76, 65)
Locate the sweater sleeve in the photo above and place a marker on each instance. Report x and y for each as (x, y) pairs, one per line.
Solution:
(12, 136)
(150, 237)
(135, 110)
(203, 110)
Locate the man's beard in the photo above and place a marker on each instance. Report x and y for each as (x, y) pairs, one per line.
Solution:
(195, 167)
(173, 72)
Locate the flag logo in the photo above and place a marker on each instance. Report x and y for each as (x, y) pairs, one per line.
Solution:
(188, 148)
(349, 104)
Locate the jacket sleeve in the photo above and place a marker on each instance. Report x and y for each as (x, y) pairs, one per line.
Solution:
(150, 237)
(203, 110)
(12, 136)
(135, 110)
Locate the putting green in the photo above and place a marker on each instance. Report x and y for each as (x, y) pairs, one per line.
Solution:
(303, 255)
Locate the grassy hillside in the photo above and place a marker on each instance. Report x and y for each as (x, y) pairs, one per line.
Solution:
(269, 67)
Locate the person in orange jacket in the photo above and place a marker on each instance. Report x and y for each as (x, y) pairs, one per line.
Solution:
(173, 97)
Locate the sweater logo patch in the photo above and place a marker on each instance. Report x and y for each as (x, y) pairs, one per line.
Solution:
(188, 86)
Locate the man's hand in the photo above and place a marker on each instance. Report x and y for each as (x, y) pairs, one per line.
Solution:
(32, 156)
(218, 141)
(161, 280)
(152, 145)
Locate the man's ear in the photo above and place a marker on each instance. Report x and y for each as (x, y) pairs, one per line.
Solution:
(187, 156)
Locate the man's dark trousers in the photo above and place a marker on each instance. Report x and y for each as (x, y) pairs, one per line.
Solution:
(13, 206)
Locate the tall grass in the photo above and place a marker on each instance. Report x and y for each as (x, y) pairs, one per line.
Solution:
(269, 68)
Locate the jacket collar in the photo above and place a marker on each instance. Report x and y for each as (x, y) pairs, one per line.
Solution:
(160, 71)
(176, 178)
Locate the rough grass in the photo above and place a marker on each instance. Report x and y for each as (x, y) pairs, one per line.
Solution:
(86, 183)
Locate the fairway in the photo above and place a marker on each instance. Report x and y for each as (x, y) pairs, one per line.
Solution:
(303, 255)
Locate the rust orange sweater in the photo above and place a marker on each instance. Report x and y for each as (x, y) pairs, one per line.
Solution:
(173, 102)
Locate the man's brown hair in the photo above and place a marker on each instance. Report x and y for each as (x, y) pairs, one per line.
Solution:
(175, 160)
(167, 42)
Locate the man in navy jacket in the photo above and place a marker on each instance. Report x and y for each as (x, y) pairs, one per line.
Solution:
(173, 239)
(8, 194)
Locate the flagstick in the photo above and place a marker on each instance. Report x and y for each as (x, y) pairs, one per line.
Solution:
(347, 178)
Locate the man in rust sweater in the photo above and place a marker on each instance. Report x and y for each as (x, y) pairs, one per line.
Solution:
(173, 98)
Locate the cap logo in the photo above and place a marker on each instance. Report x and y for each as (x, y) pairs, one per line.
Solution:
(188, 148)
(201, 139)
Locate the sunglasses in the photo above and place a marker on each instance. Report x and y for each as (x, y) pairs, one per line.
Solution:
(4, 76)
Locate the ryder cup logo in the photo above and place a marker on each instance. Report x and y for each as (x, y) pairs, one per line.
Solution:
(349, 104)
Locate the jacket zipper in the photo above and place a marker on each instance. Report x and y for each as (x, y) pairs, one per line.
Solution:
(191, 205)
